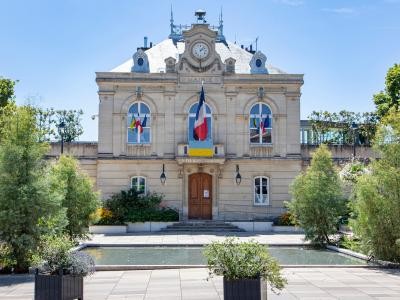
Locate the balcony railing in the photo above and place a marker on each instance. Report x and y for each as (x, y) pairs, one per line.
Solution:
(218, 150)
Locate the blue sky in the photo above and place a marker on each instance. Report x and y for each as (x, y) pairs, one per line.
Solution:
(54, 48)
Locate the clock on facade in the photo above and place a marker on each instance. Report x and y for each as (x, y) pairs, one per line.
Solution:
(200, 50)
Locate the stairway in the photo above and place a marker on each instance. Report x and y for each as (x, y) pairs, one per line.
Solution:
(202, 226)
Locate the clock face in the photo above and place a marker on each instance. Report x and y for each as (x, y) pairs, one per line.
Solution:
(200, 50)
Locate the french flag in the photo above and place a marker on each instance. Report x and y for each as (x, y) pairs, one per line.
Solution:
(200, 124)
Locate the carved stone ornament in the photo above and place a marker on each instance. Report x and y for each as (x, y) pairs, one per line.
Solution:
(140, 62)
(230, 65)
(170, 65)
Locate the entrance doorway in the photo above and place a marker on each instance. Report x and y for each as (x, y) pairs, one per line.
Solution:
(200, 196)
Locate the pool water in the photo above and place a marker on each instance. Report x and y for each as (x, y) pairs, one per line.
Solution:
(182, 255)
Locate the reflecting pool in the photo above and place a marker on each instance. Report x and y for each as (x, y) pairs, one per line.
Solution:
(164, 255)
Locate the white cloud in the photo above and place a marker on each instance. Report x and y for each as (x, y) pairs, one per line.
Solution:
(340, 11)
(291, 2)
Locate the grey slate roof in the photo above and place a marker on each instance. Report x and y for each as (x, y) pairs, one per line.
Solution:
(158, 53)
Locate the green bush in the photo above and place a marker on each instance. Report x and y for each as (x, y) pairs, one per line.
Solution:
(286, 219)
(55, 255)
(246, 260)
(130, 206)
(78, 196)
(27, 203)
(377, 197)
(317, 203)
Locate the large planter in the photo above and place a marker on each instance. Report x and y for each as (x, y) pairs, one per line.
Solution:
(58, 287)
(139, 227)
(107, 229)
(252, 226)
(287, 229)
(245, 289)
(147, 226)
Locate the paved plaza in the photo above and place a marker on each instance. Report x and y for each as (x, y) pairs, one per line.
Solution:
(191, 284)
(303, 283)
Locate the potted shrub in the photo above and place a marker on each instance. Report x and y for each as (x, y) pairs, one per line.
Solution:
(246, 267)
(60, 271)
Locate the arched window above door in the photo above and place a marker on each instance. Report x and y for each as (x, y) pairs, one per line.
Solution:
(139, 124)
(260, 124)
(192, 118)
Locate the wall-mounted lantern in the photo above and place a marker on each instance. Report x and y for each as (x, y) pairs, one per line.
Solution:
(238, 177)
(163, 178)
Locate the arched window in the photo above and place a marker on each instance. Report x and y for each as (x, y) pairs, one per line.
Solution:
(261, 190)
(192, 118)
(138, 125)
(260, 124)
(138, 183)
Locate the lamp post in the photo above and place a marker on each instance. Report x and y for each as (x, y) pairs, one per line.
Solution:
(238, 177)
(163, 178)
(354, 127)
(61, 132)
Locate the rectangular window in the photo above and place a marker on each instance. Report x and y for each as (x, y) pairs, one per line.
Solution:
(139, 184)
(261, 191)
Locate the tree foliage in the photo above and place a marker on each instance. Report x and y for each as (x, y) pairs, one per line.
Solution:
(27, 204)
(317, 202)
(6, 91)
(78, 196)
(377, 196)
(130, 206)
(243, 260)
(335, 128)
(48, 121)
(390, 97)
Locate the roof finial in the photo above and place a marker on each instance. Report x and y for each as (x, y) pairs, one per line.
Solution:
(200, 14)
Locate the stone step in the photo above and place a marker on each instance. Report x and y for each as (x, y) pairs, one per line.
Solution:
(203, 226)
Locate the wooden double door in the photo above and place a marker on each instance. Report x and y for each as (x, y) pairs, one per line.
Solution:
(200, 196)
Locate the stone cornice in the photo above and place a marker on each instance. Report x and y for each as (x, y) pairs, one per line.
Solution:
(252, 79)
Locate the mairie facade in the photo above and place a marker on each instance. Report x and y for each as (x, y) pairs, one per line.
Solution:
(147, 110)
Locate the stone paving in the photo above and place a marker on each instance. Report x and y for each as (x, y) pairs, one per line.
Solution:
(303, 283)
(191, 284)
(193, 238)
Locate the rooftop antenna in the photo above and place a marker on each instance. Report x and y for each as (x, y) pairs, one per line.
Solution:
(256, 44)
(172, 21)
(221, 26)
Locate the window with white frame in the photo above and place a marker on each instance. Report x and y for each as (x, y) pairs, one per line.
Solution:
(192, 119)
(261, 190)
(260, 125)
(138, 125)
(138, 183)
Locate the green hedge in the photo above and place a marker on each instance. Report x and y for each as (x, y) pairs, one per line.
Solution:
(129, 206)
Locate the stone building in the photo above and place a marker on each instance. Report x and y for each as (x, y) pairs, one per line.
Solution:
(243, 170)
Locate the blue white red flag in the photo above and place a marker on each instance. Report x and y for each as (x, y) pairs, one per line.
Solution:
(200, 124)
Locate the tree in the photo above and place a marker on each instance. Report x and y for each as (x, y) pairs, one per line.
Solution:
(335, 128)
(27, 204)
(6, 91)
(377, 195)
(79, 198)
(390, 97)
(317, 198)
(49, 119)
